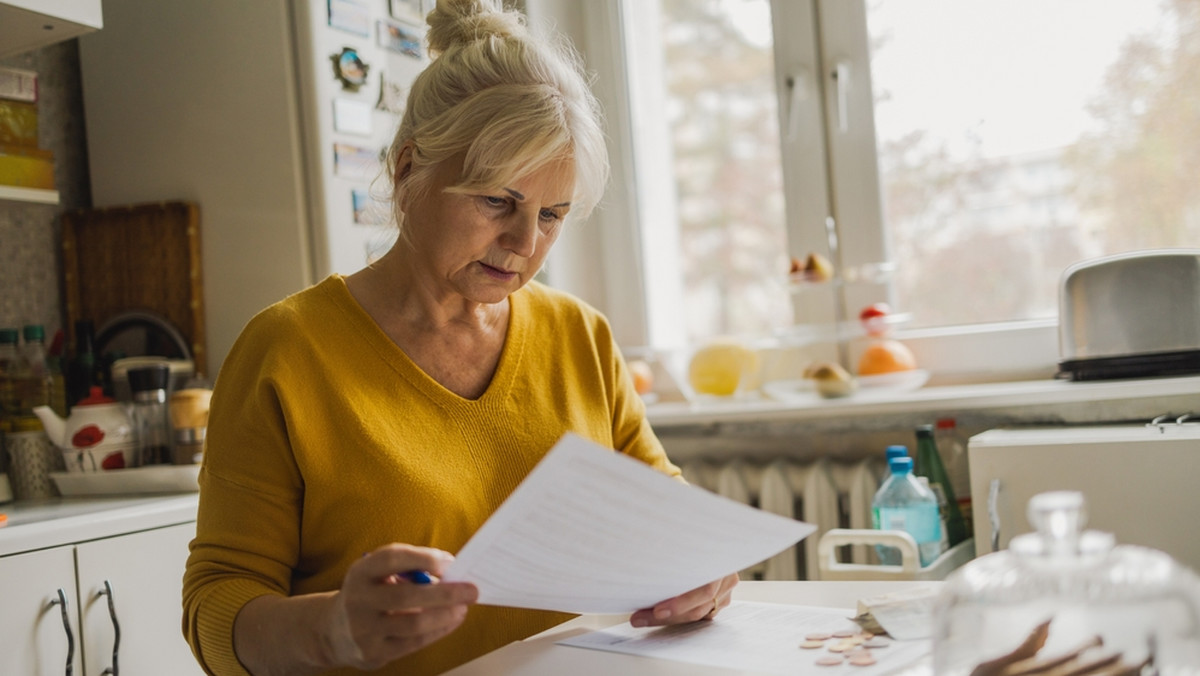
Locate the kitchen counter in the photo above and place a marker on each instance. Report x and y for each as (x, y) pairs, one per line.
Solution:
(41, 524)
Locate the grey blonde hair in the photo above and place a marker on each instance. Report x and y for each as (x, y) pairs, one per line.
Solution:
(509, 104)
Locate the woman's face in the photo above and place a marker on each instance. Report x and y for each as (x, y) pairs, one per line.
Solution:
(486, 246)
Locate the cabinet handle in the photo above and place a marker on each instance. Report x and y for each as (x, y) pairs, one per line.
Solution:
(112, 614)
(994, 512)
(62, 601)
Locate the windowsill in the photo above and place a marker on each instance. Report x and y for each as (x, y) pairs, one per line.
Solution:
(1032, 393)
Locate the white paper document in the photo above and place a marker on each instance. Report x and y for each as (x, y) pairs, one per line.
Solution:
(591, 530)
(757, 637)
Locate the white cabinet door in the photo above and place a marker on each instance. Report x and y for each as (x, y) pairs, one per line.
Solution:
(145, 574)
(33, 639)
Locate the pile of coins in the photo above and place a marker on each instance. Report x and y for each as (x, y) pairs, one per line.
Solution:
(853, 647)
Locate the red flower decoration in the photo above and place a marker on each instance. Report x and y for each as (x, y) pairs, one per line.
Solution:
(114, 460)
(87, 436)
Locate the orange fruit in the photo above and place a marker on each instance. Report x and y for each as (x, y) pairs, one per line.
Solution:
(886, 356)
(643, 376)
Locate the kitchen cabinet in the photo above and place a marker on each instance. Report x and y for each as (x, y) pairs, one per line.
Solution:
(29, 24)
(122, 593)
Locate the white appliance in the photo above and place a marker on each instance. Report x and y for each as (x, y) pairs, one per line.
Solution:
(1139, 480)
(237, 106)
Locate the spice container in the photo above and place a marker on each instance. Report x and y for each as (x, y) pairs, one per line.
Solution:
(1068, 596)
(189, 418)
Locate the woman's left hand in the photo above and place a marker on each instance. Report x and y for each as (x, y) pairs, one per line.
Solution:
(702, 603)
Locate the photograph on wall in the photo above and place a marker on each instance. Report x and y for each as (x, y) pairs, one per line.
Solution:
(391, 96)
(412, 11)
(352, 117)
(351, 161)
(349, 69)
(399, 38)
(367, 211)
(351, 16)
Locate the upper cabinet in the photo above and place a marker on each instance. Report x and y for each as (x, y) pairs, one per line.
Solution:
(29, 24)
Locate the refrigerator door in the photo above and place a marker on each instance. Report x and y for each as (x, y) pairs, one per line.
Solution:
(1139, 482)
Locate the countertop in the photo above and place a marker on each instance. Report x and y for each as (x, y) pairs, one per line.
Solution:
(53, 522)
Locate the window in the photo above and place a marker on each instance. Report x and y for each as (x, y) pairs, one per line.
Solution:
(969, 149)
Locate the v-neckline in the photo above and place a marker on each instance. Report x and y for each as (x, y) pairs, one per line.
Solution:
(511, 353)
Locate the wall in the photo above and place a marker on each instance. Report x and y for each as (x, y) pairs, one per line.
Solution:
(30, 258)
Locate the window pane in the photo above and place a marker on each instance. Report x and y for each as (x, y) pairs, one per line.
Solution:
(721, 120)
(1016, 137)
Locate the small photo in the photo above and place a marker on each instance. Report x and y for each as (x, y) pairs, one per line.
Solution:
(349, 69)
(366, 210)
(351, 16)
(350, 161)
(399, 38)
(412, 11)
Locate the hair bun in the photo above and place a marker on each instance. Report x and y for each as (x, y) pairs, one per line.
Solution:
(455, 22)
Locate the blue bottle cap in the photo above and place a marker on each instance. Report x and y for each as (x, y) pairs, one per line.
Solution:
(897, 451)
(900, 465)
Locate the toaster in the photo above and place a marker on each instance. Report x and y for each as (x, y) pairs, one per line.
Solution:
(1130, 315)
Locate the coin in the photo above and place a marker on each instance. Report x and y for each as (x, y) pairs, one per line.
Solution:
(862, 660)
(829, 661)
(809, 645)
(818, 636)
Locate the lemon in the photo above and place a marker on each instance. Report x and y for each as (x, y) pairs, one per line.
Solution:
(720, 367)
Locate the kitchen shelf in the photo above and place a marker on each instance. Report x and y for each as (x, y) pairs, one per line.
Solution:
(983, 396)
(39, 195)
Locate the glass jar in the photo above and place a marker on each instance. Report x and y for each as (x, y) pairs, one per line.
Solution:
(150, 413)
(1063, 592)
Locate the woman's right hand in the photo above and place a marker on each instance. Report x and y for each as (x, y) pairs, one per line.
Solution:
(378, 616)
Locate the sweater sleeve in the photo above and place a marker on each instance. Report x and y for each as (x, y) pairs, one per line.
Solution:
(247, 530)
(632, 433)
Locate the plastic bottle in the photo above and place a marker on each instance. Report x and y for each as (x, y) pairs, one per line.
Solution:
(954, 455)
(902, 503)
(929, 464)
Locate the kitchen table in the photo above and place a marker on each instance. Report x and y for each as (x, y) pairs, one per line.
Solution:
(540, 655)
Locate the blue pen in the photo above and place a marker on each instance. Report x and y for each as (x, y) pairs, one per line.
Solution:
(416, 576)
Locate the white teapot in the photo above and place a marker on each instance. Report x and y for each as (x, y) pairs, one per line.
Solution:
(97, 436)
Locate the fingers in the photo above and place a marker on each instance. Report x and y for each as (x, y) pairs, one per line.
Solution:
(379, 615)
(698, 604)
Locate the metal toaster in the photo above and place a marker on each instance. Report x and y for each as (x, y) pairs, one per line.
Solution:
(1131, 315)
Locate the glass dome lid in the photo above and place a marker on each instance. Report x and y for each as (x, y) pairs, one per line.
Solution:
(1062, 600)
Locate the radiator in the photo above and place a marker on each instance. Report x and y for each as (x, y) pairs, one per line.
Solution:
(825, 493)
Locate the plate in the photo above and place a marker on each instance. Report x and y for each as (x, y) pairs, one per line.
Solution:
(136, 481)
(803, 391)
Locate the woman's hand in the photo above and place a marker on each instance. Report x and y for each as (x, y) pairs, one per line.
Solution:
(702, 603)
(378, 616)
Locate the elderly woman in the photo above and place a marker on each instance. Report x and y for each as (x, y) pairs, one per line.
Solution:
(370, 424)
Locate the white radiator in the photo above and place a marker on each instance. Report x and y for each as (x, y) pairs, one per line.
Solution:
(823, 492)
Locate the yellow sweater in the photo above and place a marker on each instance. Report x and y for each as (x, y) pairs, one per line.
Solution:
(325, 441)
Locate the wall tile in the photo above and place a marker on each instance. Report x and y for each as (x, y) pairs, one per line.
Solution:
(30, 259)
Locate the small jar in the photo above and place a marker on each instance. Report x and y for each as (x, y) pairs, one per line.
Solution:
(150, 413)
(1063, 593)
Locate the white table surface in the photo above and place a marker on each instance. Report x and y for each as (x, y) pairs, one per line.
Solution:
(540, 656)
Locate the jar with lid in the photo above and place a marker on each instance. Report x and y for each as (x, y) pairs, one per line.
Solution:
(150, 413)
(1068, 599)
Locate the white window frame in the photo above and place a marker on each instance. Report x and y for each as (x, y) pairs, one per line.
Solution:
(830, 169)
